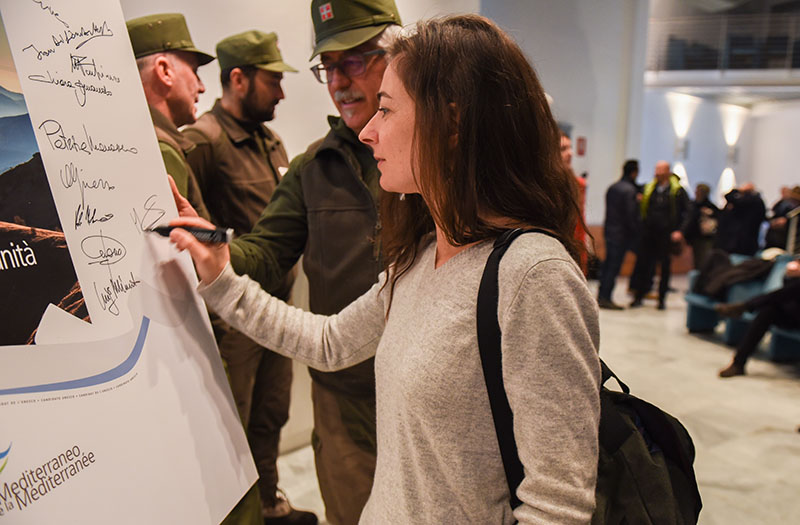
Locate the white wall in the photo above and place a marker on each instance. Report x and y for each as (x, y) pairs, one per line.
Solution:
(774, 156)
(590, 59)
(707, 152)
(767, 150)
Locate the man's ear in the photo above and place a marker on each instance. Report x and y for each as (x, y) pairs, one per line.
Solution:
(164, 70)
(239, 82)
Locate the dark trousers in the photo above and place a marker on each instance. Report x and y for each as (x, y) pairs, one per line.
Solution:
(261, 382)
(781, 308)
(615, 254)
(654, 251)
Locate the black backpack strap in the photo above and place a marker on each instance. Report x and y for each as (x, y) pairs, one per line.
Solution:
(607, 374)
(491, 360)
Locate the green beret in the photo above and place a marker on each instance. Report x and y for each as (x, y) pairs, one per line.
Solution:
(345, 24)
(165, 32)
(252, 48)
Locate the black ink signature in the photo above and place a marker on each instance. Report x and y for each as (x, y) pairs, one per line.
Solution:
(117, 285)
(80, 87)
(39, 54)
(86, 33)
(151, 214)
(70, 175)
(103, 250)
(59, 140)
(89, 68)
(85, 212)
(51, 11)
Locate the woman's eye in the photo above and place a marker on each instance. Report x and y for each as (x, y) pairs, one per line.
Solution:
(383, 111)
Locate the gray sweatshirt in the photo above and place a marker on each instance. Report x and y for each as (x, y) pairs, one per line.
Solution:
(438, 458)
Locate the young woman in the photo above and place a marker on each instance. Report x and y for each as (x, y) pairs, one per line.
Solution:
(467, 148)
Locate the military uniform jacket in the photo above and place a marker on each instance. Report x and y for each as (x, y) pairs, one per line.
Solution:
(173, 147)
(325, 209)
(236, 165)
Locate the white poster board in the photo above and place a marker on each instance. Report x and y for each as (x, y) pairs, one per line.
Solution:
(128, 419)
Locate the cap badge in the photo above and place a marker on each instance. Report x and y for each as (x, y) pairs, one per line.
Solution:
(326, 12)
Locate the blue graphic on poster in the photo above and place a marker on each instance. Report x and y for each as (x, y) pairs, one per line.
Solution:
(35, 265)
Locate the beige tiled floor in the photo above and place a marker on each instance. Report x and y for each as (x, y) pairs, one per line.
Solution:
(744, 428)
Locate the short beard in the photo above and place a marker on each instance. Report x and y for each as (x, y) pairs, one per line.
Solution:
(252, 112)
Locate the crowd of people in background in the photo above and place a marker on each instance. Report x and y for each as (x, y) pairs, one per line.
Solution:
(657, 221)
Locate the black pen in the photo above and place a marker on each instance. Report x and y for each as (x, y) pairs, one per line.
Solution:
(216, 235)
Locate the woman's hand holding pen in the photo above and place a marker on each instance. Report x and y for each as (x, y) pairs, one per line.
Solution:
(209, 259)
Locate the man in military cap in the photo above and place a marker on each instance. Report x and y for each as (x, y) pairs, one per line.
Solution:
(238, 161)
(325, 209)
(168, 62)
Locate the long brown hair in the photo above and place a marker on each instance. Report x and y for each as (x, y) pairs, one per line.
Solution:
(486, 146)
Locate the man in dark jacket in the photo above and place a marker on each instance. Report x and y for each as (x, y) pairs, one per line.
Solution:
(740, 221)
(168, 62)
(238, 162)
(778, 232)
(664, 206)
(620, 230)
(325, 209)
(701, 226)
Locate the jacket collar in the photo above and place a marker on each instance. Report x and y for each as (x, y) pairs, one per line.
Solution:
(163, 123)
(234, 129)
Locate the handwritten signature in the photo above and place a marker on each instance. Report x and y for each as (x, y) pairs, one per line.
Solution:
(151, 214)
(59, 140)
(102, 249)
(81, 88)
(70, 175)
(52, 11)
(117, 285)
(39, 54)
(89, 68)
(86, 33)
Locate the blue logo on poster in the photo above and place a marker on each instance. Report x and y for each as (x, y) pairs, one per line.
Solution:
(4, 457)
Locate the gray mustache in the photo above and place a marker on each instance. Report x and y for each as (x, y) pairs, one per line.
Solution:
(347, 94)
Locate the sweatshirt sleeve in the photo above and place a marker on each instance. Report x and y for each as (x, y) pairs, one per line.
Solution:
(551, 373)
(326, 343)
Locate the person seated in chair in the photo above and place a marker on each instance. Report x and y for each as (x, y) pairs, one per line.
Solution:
(780, 308)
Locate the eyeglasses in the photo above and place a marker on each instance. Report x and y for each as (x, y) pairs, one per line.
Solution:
(350, 66)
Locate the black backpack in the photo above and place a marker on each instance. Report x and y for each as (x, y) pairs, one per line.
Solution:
(645, 474)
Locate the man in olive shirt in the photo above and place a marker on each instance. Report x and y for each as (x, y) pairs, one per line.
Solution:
(238, 161)
(326, 210)
(168, 60)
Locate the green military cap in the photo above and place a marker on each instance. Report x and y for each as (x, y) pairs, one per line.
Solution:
(345, 24)
(252, 48)
(165, 32)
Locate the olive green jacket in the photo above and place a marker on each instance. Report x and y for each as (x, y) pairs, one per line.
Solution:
(173, 147)
(237, 167)
(325, 209)
(237, 170)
